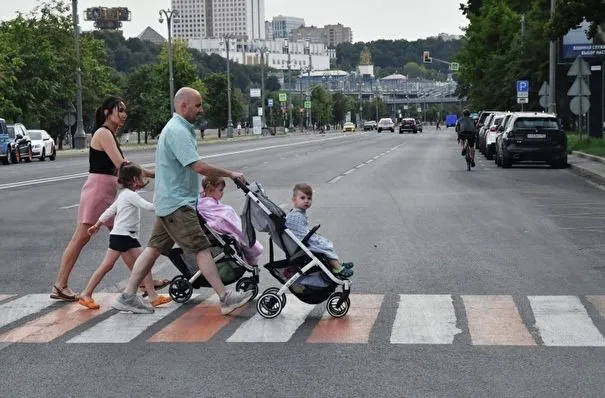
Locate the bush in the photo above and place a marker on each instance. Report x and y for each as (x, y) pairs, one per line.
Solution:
(591, 145)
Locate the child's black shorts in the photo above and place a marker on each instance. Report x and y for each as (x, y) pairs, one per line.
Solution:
(122, 243)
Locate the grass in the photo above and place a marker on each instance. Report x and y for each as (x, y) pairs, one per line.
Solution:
(591, 145)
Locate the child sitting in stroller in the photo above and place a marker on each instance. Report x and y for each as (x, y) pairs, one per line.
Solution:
(298, 222)
(223, 219)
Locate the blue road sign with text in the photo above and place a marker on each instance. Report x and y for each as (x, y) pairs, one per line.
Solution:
(522, 86)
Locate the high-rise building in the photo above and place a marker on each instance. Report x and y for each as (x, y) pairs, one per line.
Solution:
(338, 34)
(192, 19)
(282, 26)
(330, 35)
(268, 30)
(216, 18)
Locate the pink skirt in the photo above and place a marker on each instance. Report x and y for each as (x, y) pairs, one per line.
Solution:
(98, 193)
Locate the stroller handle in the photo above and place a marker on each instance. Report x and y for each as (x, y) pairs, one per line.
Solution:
(241, 185)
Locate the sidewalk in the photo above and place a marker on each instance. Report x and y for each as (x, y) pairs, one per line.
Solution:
(208, 140)
(588, 166)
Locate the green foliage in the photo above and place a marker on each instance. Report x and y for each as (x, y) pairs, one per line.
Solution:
(570, 13)
(390, 56)
(215, 109)
(321, 105)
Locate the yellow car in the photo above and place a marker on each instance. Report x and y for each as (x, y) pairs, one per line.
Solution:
(348, 126)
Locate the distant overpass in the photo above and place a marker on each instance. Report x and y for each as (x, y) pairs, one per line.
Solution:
(390, 97)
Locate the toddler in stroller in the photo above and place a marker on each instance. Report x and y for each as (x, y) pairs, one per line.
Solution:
(304, 273)
(232, 256)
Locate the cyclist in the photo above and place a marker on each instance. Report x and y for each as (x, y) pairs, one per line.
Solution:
(465, 127)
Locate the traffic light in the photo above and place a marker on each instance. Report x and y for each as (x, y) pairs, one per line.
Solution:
(426, 57)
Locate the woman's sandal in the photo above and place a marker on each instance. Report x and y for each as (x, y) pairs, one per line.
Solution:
(89, 303)
(157, 286)
(59, 294)
(160, 301)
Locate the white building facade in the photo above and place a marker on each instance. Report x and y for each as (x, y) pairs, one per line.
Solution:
(282, 26)
(200, 19)
(302, 54)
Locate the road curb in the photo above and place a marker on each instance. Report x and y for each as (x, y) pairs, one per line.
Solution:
(587, 174)
(588, 156)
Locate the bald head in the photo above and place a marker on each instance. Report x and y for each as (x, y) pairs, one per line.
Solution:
(188, 103)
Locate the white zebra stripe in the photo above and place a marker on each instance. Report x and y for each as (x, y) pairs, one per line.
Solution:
(424, 319)
(22, 307)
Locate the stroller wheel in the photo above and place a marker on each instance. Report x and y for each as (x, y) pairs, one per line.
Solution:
(247, 284)
(337, 306)
(180, 289)
(269, 305)
(274, 290)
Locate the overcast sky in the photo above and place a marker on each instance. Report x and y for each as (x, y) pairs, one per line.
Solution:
(370, 20)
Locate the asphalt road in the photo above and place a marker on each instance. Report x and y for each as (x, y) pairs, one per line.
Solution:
(482, 283)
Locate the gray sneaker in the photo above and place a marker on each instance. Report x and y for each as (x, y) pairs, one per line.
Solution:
(131, 303)
(233, 300)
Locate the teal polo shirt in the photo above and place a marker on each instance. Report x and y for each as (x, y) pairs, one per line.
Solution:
(176, 184)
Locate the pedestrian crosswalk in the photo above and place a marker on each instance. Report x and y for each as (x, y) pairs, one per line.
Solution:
(406, 319)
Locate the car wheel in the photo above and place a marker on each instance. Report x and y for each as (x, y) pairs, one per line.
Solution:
(488, 153)
(43, 155)
(506, 161)
(53, 155)
(7, 160)
(17, 156)
(29, 155)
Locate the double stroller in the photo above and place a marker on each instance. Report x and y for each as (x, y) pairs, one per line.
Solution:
(302, 272)
(228, 258)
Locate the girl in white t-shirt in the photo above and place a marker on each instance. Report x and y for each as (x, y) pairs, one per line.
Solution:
(123, 238)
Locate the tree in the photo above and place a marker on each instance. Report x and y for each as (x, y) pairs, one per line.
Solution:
(215, 106)
(569, 14)
(340, 108)
(321, 105)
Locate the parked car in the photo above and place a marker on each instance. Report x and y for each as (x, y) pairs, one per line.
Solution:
(409, 125)
(386, 124)
(369, 125)
(482, 132)
(348, 127)
(533, 136)
(20, 143)
(488, 141)
(43, 145)
(419, 125)
(501, 129)
(5, 148)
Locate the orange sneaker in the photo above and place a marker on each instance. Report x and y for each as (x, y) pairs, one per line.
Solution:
(89, 303)
(160, 301)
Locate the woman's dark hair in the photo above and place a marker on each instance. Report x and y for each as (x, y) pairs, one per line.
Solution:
(127, 173)
(108, 105)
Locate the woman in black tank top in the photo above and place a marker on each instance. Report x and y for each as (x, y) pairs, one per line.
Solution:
(99, 190)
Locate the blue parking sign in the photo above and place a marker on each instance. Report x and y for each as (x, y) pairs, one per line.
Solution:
(522, 86)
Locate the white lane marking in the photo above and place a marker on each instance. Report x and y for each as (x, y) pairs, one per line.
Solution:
(123, 327)
(22, 307)
(279, 330)
(70, 206)
(576, 215)
(359, 166)
(599, 228)
(216, 155)
(369, 161)
(348, 172)
(424, 319)
(335, 179)
(563, 321)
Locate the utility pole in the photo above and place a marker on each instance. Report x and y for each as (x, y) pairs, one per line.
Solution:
(79, 136)
(552, 69)
(308, 44)
(262, 51)
(229, 119)
(169, 14)
(291, 125)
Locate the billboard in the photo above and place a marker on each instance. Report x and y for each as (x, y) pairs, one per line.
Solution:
(575, 43)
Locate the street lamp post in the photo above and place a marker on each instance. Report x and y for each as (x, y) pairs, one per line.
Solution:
(308, 45)
(287, 45)
(552, 69)
(169, 14)
(262, 50)
(79, 136)
(228, 38)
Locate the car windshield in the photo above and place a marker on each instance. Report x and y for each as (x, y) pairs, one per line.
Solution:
(537, 122)
(11, 131)
(35, 135)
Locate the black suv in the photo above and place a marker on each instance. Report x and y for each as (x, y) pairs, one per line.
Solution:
(532, 137)
(408, 124)
(21, 146)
